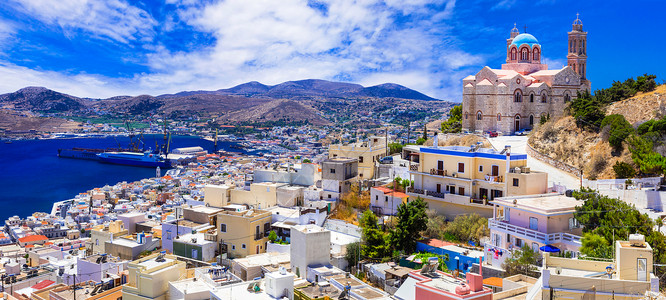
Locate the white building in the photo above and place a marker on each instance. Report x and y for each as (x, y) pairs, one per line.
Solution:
(310, 246)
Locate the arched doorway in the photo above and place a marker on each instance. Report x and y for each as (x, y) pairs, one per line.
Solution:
(517, 123)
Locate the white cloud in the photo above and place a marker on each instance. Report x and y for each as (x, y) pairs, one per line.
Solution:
(109, 19)
(357, 40)
(554, 64)
(504, 5)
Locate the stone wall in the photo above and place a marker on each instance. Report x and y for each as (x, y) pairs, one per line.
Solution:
(551, 161)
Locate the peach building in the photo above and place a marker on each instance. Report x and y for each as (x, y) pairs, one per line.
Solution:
(458, 180)
(432, 284)
(516, 96)
(535, 221)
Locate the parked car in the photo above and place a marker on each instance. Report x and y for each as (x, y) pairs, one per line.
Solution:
(492, 133)
(523, 132)
(386, 160)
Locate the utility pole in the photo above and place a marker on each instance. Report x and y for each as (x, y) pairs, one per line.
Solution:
(74, 286)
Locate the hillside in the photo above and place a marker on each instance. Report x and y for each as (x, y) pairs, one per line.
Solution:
(11, 120)
(562, 140)
(315, 101)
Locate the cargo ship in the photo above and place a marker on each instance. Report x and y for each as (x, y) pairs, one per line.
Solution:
(145, 159)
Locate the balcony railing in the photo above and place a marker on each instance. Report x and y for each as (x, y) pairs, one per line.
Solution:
(545, 238)
(414, 167)
(434, 171)
(258, 236)
(455, 198)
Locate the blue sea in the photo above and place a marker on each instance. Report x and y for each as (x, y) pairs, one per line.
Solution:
(32, 176)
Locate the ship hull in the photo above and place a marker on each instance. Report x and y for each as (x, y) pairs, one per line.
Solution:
(135, 163)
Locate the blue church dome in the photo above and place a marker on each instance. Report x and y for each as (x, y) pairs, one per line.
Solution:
(525, 38)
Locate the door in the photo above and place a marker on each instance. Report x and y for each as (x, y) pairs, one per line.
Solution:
(195, 254)
(642, 269)
(439, 187)
(461, 191)
(257, 249)
(440, 165)
(483, 193)
(494, 171)
(517, 123)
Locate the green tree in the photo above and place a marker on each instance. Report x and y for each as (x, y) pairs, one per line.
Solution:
(272, 236)
(307, 161)
(595, 245)
(521, 261)
(412, 220)
(420, 141)
(642, 153)
(624, 170)
(375, 241)
(468, 228)
(587, 111)
(620, 129)
(454, 123)
(395, 148)
(353, 253)
(425, 132)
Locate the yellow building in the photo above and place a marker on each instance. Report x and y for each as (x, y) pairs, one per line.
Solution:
(105, 233)
(243, 232)
(367, 153)
(458, 180)
(149, 277)
(260, 195)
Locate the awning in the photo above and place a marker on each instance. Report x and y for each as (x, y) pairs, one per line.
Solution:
(549, 248)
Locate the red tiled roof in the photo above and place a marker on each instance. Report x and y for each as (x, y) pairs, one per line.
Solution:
(436, 243)
(42, 284)
(33, 238)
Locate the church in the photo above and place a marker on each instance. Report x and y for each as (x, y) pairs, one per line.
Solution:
(515, 97)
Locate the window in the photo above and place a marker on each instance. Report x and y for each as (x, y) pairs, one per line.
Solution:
(507, 214)
(360, 159)
(376, 197)
(497, 239)
(223, 227)
(494, 170)
(513, 53)
(573, 223)
(499, 117)
(518, 96)
(329, 196)
(479, 116)
(461, 191)
(332, 171)
(544, 98)
(515, 182)
(233, 247)
(466, 115)
(461, 167)
(524, 54)
(531, 120)
(531, 97)
(243, 246)
(535, 54)
(96, 242)
(168, 234)
(535, 247)
(267, 228)
(385, 198)
(480, 168)
(519, 242)
(534, 223)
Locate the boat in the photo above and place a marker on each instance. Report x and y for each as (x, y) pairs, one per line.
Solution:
(145, 159)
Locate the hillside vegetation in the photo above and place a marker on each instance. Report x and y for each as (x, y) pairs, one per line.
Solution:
(603, 133)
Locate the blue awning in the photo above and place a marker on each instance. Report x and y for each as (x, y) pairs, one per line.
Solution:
(549, 248)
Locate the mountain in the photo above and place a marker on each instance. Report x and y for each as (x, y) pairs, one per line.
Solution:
(43, 99)
(316, 101)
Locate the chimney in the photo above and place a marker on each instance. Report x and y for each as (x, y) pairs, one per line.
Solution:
(507, 149)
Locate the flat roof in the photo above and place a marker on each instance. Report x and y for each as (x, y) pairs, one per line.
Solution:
(543, 203)
(465, 152)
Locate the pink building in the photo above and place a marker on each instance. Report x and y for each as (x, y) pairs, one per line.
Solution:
(437, 285)
(535, 221)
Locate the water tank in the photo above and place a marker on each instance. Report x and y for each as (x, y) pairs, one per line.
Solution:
(637, 240)
(462, 289)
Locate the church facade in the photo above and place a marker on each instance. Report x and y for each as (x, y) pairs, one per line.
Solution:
(515, 97)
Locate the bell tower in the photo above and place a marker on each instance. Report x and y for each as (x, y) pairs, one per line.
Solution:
(514, 33)
(577, 57)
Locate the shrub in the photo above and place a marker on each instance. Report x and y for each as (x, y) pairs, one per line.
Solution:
(624, 170)
(620, 129)
(468, 228)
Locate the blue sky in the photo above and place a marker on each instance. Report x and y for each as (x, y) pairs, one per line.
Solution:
(118, 47)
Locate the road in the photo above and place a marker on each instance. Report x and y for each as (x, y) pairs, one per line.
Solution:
(518, 145)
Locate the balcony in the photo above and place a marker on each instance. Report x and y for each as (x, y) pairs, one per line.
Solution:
(414, 167)
(544, 238)
(444, 196)
(258, 236)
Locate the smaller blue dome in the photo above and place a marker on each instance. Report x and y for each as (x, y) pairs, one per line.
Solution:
(525, 38)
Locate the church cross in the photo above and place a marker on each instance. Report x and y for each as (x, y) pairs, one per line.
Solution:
(525, 29)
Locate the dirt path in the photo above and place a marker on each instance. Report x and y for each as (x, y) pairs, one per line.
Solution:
(518, 145)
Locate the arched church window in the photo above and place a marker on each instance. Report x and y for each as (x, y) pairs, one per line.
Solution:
(518, 96)
(524, 54)
(531, 97)
(535, 54)
(531, 120)
(479, 116)
(544, 98)
(466, 115)
(567, 98)
(513, 53)
(499, 117)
